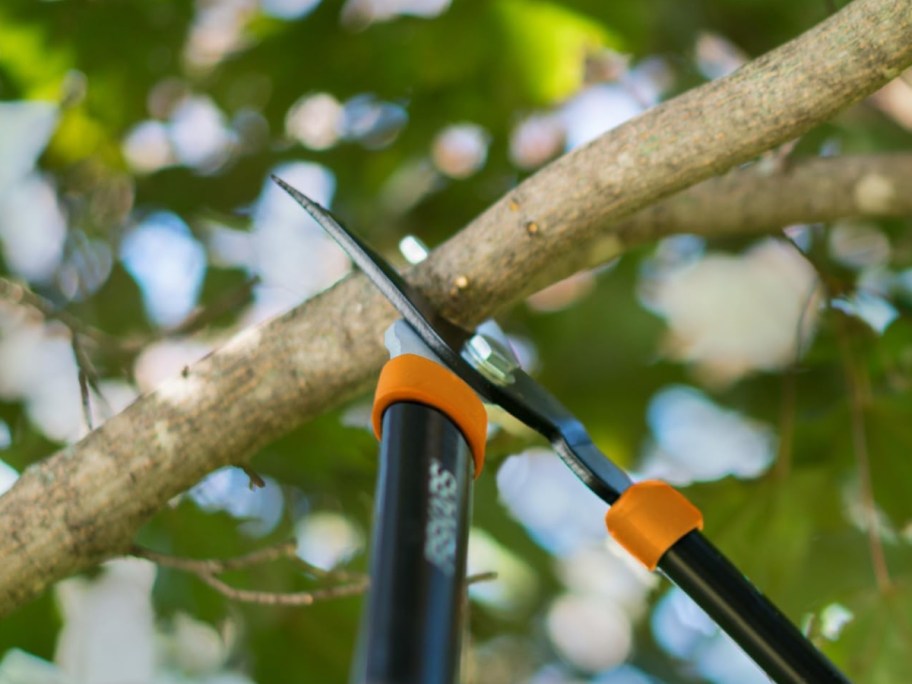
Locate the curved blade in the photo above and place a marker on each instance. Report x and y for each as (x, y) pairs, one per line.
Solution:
(444, 337)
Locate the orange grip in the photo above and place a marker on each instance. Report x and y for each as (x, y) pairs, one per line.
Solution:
(410, 377)
(650, 518)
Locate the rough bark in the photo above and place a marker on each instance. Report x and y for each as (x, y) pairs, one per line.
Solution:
(85, 503)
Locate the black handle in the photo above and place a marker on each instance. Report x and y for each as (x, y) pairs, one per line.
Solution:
(411, 629)
(748, 617)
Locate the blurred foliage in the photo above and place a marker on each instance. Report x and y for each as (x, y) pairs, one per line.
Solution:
(489, 63)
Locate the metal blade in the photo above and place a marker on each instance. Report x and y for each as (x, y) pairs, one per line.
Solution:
(444, 337)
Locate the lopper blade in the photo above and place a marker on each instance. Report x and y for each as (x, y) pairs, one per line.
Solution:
(441, 335)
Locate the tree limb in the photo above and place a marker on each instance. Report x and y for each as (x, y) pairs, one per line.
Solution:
(759, 200)
(85, 503)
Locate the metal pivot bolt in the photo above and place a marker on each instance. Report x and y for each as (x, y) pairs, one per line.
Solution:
(491, 358)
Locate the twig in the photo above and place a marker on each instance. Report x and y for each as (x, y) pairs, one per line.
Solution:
(789, 379)
(256, 482)
(88, 380)
(213, 565)
(778, 160)
(286, 550)
(208, 569)
(200, 317)
(481, 577)
(19, 294)
(84, 393)
(87, 375)
(786, 424)
(859, 393)
(86, 400)
(270, 598)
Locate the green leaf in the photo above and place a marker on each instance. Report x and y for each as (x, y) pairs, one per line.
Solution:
(789, 536)
(889, 432)
(875, 645)
(32, 63)
(547, 44)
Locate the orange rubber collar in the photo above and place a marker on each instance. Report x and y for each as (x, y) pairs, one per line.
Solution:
(650, 518)
(410, 377)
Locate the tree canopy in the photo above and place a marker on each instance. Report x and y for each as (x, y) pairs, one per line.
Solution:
(693, 221)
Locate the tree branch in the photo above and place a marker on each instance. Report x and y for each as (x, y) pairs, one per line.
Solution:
(285, 550)
(273, 598)
(18, 294)
(757, 200)
(348, 583)
(85, 503)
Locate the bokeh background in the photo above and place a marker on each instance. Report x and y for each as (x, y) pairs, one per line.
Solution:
(136, 139)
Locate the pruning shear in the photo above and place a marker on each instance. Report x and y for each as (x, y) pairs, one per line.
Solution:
(650, 519)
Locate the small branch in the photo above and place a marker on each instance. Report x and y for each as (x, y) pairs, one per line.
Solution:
(786, 424)
(198, 319)
(88, 381)
(859, 393)
(481, 577)
(84, 395)
(788, 408)
(286, 550)
(229, 301)
(19, 294)
(256, 482)
(216, 566)
(208, 569)
(859, 397)
(300, 598)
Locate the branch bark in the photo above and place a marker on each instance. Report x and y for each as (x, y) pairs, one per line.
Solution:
(85, 503)
(761, 199)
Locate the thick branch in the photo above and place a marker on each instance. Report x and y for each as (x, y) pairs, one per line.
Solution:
(85, 503)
